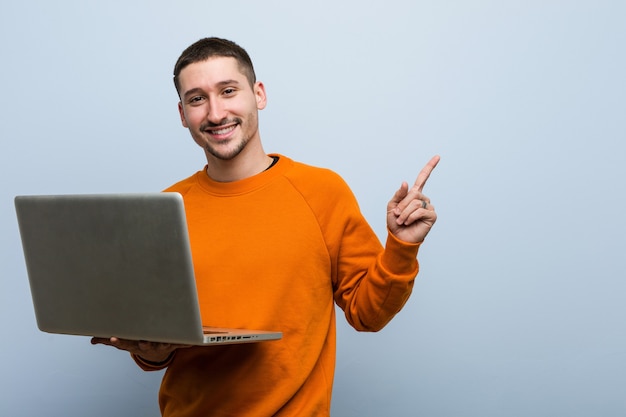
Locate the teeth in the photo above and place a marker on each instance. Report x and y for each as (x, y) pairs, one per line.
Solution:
(222, 131)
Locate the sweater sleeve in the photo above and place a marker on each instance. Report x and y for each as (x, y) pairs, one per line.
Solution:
(152, 366)
(371, 284)
(384, 289)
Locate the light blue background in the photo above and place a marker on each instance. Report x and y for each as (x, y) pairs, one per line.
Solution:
(519, 308)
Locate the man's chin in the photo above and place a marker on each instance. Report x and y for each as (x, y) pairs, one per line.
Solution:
(224, 154)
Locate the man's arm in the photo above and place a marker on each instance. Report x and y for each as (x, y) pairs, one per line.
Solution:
(371, 295)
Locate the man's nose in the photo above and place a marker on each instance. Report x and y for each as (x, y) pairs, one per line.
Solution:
(217, 112)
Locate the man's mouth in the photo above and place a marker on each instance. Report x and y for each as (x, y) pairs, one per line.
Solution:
(222, 131)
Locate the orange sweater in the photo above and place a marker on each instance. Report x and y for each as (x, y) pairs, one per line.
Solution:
(272, 252)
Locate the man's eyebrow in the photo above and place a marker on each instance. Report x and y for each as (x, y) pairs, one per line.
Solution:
(192, 91)
(227, 82)
(219, 84)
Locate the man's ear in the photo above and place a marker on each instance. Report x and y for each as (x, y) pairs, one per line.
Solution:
(181, 111)
(259, 93)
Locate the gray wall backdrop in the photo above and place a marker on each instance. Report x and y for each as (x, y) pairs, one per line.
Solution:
(519, 308)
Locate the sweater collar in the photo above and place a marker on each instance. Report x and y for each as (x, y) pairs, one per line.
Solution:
(246, 185)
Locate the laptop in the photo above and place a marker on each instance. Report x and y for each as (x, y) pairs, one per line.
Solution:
(118, 265)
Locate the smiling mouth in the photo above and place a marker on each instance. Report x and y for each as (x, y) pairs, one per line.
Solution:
(222, 131)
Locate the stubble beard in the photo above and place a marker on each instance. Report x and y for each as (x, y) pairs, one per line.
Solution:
(229, 154)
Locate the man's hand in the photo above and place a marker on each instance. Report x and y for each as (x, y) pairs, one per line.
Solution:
(150, 351)
(410, 215)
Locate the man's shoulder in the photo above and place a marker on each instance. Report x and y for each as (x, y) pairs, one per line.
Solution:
(313, 174)
(184, 185)
(315, 180)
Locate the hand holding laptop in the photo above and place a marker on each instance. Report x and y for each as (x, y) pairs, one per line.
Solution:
(149, 351)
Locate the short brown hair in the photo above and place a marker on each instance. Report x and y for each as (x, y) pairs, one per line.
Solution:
(214, 47)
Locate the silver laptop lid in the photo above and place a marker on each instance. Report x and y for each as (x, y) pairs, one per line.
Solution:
(111, 265)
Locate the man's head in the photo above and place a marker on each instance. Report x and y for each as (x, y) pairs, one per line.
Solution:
(214, 47)
(220, 99)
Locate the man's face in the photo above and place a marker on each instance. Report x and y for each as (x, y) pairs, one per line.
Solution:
(219, 107)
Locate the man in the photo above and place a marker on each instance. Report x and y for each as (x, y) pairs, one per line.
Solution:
(275, 243)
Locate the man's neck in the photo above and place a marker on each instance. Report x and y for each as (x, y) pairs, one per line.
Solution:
(244, 165)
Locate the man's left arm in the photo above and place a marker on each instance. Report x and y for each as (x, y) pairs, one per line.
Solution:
(371, 298)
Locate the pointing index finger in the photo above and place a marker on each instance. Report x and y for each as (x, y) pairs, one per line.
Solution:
(425, 173)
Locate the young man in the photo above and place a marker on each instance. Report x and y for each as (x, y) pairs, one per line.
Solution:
(275, 243)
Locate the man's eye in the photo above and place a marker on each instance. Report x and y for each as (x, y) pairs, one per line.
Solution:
(229, 91)
(195, 100)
